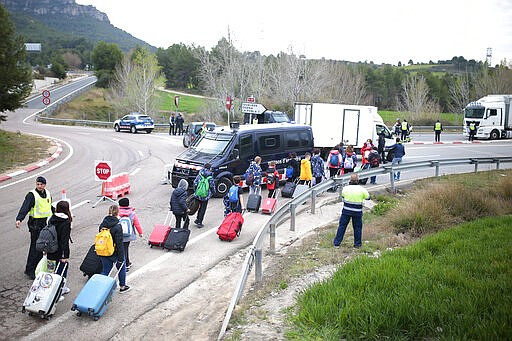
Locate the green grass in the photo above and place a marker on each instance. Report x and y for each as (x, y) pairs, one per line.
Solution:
(18, 150)
(187, 104)
(447, 119)
(455, 284)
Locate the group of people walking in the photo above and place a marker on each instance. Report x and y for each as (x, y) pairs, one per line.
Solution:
(38, 205)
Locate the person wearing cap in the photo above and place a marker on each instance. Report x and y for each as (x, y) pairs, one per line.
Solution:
(354, 196)
(38, 205)
(126, 211)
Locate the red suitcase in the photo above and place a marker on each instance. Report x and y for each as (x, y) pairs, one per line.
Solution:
(160, 233)
(268, 205)
(231, 226)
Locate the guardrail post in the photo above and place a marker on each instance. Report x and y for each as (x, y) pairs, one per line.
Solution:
(272, 232)
(313, 201)
(436, 164)
(258, 270)
(292, 217)
(476, 165)
(497, 163)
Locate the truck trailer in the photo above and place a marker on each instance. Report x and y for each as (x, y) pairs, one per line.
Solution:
(492, 116)
(336, 123)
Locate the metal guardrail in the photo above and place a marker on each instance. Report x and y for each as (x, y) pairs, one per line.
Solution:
(86, 123)
(255, 255)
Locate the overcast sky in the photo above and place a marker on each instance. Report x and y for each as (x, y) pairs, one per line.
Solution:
(382, 31)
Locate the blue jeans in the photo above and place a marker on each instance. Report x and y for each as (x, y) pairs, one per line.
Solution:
(107, 266)
(357, 224)
(396, 161)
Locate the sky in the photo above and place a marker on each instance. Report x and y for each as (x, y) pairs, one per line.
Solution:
(379, 31)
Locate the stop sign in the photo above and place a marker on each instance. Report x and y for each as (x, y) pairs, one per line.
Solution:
(102, 170)
(229, 102)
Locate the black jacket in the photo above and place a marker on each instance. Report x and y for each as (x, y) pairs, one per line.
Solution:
(63, 227)
(178, 201)
(116, 231)
(29, 202)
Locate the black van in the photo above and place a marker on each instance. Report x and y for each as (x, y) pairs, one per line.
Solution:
(230, 151)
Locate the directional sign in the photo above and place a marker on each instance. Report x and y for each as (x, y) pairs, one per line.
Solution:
(253, 108)
(102, 170)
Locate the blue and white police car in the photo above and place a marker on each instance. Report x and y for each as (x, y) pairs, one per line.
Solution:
(135, 122)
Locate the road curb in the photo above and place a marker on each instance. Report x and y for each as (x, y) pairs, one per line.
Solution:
(35, 166)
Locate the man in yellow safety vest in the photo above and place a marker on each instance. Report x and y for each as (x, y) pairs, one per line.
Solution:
(405, 130)
(354, 196)
(38, 205)
(472, 130)
(438, 128)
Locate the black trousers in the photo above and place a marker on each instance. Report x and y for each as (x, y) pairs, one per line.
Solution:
(185, 218)
(126, 246)
(438, 135)
(34, 256)
(202, 210)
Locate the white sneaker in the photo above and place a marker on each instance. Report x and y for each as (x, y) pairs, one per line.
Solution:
(61, 298)
(65, 290)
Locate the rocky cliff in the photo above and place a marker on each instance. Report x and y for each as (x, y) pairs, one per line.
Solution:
(52, 7)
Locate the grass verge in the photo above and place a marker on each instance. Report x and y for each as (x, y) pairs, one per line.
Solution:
(452, 285)
(18, 150)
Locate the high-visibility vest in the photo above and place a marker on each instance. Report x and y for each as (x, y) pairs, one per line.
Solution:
(472, 126)
(42, 207)
(404, 125)
(437, 126)
(353, 198)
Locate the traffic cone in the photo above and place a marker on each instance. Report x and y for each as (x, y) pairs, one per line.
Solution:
(63, 195)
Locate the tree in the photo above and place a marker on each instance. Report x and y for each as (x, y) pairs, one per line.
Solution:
(180, 66)
(106, 57)
(136, 80)
(415, 98)
(15, 73)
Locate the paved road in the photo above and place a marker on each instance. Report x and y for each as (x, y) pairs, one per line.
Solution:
(157, 277)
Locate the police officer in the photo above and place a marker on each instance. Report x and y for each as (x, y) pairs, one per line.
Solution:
(405, 129)
(353, 197)
(438, 128)
(38, 205)
(472, 130)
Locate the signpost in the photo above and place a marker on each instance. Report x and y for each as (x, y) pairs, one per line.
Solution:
(103, 173)
(229, 104)
(46, 97)
(251, 99)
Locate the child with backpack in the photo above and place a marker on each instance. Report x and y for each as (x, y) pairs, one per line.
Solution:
(131, 227)
(272, 176)
(204, 189)
(233, 199)
(349, 160)
(114, 240)
(374, 160)
(305, 176)
(253, 176)
(317, 166)
(334, 161)
(178, 204)
(61, 219)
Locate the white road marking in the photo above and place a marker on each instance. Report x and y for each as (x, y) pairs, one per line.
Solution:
(140, 153)
(118, 140)
(135, 171)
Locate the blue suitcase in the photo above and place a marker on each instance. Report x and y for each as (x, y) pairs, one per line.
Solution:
(95, 296)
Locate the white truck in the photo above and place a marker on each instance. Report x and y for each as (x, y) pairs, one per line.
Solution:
(492, 116)
(335, 123)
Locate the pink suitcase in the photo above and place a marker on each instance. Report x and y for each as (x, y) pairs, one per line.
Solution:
(160, 233)
(268, 205)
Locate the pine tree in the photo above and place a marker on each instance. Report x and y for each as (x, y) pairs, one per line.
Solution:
(15, 73)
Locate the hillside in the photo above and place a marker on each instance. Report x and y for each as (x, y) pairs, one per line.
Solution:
(63, 24)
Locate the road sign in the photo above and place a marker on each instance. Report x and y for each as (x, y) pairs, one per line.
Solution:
(251, 99)
(229, 102)
(46, 93)
(46, 100)
(176, 101)
(102, 170)
(253, 108)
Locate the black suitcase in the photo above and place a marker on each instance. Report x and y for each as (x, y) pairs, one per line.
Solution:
(192, 204)
(253, 203)
(177, 239)
(92, 263)
(288, 189)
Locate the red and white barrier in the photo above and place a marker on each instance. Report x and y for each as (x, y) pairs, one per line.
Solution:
(117, 186)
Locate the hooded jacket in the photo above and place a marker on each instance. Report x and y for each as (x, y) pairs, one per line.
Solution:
(305, 170)
(211, 190)
(63, 228)
(178, 201)
(116, 231)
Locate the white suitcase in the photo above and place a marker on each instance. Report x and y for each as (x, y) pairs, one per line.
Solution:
(44, 294)
(300, 188)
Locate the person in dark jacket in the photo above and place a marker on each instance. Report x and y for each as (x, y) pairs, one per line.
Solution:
(399, 151)
(295, 165)
(112, 222)
(178, 204)
(203, 201)
(381, 146)
(61, 219)
(38, 205)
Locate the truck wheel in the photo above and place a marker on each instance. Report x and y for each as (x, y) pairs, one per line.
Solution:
(116, 128)
(495, 135)
(133, 130)
(222, 187)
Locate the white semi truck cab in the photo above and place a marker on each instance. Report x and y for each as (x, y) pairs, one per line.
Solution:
(492, 116)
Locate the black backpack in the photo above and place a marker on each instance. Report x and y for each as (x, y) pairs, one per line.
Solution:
(47, 240)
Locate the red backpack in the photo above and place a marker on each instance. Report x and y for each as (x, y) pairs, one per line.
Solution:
(231, 226)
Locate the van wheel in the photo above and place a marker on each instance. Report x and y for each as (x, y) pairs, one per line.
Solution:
(222, 187)
(184, 144)
(494, 135)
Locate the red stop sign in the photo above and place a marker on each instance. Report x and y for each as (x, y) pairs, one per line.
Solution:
(229, 102)
(103, 171)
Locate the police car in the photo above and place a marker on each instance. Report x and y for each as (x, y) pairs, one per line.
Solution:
(135, 122)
